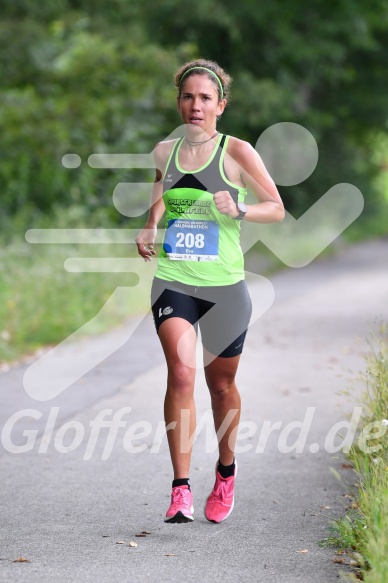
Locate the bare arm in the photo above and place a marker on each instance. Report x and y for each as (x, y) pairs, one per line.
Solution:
(252, 173)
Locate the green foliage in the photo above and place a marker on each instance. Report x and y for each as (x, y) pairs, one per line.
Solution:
(41, 303)
(363, 530)
(77, 88)
(97, 77)
(348, 532)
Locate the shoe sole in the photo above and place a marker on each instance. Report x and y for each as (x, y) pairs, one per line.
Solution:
(231, 508)
(179, 518)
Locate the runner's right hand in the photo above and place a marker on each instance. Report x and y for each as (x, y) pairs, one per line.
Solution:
(145, 242)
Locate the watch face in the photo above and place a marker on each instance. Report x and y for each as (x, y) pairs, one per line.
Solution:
(242, 210)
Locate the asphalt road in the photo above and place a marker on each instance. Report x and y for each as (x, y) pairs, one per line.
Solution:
(73, 513)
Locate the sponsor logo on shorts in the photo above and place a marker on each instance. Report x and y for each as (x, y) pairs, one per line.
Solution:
(165, 311)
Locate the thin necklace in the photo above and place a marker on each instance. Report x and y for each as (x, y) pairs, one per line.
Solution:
(199, 143)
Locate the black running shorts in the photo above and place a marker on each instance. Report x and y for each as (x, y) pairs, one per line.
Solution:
(222, 312)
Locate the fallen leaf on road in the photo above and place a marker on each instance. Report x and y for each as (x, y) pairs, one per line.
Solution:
(325, 507)
(303, 551)
(143, 533)
(132, 544)
(21, 560)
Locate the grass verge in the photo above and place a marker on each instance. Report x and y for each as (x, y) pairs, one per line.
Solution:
(363, 532)
(42, 304)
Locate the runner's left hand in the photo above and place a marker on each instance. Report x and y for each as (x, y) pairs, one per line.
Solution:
(225, 203)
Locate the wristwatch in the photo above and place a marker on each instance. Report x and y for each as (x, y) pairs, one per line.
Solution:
(242, 211)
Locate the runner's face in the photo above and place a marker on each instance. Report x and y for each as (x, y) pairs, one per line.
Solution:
(198, 103)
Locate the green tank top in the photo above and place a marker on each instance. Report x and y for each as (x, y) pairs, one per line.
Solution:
(201, 247)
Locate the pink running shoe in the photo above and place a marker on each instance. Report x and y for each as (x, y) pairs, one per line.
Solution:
(181, 508)
(219, 504)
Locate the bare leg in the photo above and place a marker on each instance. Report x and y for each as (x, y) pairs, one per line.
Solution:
(226, 403)
(179, 406)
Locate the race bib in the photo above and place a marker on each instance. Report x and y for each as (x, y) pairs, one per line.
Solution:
(187, 240)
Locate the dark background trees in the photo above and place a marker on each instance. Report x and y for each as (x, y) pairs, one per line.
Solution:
(93, 77)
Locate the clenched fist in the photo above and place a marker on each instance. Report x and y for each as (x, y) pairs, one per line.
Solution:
(225, 203)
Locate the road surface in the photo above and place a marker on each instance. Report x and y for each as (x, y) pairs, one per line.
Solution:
(73, 513)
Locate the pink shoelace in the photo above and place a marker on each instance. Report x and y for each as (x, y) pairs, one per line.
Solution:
(180, 495)
(222, 490)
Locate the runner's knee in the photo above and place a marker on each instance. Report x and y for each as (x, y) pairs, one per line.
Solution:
(181, 380)
(222, 387)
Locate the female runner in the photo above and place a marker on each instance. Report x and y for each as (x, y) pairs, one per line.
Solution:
(201, 181)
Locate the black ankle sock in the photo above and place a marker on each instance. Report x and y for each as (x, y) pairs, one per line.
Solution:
(181, 482)
(226, 471)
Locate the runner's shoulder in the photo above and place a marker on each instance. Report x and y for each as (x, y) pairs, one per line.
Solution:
(162, 152)
(240, 148)
(245, 155)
